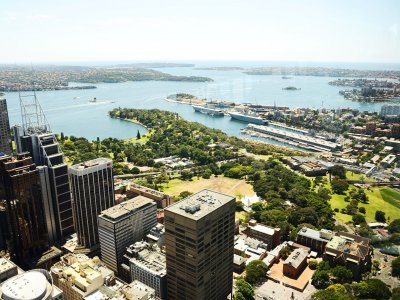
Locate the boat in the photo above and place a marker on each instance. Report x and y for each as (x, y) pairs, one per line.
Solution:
(287, 77)
(248, 118)
(208, 110)
(94, 100)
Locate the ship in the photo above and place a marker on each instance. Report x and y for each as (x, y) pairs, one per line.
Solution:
(248, 118)
(208, 110)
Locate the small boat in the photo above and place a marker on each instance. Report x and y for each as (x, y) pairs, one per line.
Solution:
(94, 100)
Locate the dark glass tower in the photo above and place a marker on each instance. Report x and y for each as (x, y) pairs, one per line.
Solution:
(21, 192)
(5, 136)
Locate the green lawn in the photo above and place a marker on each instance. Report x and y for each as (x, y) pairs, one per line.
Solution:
(143, 139)
(380, 198)
(354, 176)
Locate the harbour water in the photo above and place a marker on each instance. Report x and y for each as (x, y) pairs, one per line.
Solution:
(71, 112)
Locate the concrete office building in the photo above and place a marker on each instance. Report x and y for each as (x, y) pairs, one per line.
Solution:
(20, 188)
(5, 135)
(122, 225)
(199, 241)
(92, 188)
(148, 265)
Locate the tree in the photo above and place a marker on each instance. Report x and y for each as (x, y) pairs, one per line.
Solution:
(138, 135)
(342, 274)
(285, 252)
(358, 219)
(239, 296)
(245, 288)
(376, 289)
(396, 267)
(135, 170)
(396, 293)
(394, 226)
(255, 271)
(380, 216)
(186, 175)
(362, 210)
(338, 171)
(321, 279)
(339, 186)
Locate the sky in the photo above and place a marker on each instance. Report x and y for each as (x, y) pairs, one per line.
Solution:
(185, 30)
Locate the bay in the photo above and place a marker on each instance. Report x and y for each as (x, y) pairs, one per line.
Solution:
(79, 117)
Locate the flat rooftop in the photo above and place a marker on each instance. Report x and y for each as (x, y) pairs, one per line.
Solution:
(91, 163)
(264, 229)
(199, 204)
(6, 265)
(126, 208)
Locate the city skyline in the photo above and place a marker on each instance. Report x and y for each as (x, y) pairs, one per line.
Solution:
(359, 31)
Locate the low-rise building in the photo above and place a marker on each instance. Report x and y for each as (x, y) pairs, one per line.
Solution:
(157, 235)
(133, 190)
(239, 263)
(270, 236)
(78, 275)
(8, 269)
(294, 265)
(316, 240)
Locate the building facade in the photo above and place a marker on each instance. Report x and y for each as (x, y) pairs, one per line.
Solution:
(53, 172)
(123, 225)
(5, 135)
(92, 187)
(199, 246)
(20, 188)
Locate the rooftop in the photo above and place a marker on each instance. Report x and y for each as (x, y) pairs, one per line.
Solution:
(296, 257)
(263, 229)
(6, 265)
(126, 208)
(199, 204)
(92, 163)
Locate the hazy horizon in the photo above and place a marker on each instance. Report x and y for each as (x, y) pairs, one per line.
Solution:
(341, 31)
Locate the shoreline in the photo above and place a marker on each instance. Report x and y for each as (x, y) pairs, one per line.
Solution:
(131, 121)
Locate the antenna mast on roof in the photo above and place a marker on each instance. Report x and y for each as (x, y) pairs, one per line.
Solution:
(33, 118)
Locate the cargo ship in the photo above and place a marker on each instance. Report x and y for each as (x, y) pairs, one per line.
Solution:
(208, 110)
(248, 118)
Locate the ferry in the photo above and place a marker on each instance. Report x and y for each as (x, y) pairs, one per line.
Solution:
(248, 118)
(208, 110)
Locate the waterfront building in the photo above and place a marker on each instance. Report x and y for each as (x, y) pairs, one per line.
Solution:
(390, 110)
(148, 265)
(92, 188)
(78, 275)
(199, 245)
(33, 285)
(123, 225)
(133, 190)
(20, 190)
(35, 137)
(5, 135)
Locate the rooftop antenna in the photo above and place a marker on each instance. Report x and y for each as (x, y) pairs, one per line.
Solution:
(33, 118)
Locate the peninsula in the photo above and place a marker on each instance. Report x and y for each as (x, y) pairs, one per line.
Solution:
(50, 77)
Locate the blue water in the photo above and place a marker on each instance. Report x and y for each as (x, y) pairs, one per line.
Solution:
(80, 118)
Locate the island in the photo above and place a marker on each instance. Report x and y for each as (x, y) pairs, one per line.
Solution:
(50, 77)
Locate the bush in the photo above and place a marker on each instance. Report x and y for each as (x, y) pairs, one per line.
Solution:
(312, 264)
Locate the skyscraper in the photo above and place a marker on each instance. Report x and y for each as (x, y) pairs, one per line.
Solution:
(92, 188)
(123, 225)
(5, 136)
(199, 246)
(20, 188)
(36, 138)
